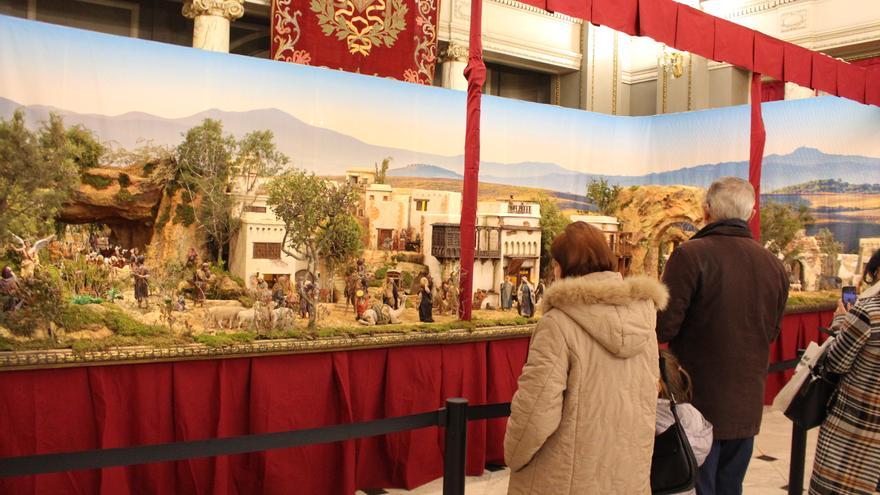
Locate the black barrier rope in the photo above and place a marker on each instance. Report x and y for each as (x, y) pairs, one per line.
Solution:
(783, 366)
(143, 454)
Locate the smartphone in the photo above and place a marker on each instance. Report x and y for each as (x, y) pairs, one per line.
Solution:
(848, 295)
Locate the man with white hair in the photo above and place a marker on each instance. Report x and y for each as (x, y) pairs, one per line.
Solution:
(727, 298)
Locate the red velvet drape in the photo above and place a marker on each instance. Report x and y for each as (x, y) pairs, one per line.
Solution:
(476, 77)
(797, 332)
(756, 152)
(686, 28)
(772, 91)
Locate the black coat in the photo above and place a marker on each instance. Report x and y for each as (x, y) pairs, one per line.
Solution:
(727, 299)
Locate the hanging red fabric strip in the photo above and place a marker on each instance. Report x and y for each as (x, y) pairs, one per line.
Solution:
(476, 76)
(756, 152)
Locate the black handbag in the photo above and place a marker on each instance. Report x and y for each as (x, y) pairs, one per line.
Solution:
(810, 405)
(674, 468)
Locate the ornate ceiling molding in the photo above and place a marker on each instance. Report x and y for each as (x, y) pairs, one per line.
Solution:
(756, 7)
(529, 8)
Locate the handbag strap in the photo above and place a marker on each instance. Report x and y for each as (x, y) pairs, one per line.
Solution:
(669, 395)
(665, 379)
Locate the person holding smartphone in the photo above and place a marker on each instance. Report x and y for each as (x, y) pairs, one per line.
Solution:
(848, 451)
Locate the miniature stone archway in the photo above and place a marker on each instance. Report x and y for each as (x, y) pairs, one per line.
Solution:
(658, 218)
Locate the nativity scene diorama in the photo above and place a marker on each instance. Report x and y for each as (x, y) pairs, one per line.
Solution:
(218, 241)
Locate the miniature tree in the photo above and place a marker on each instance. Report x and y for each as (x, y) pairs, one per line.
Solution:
(317, 219)
(340, 244)
(831, 248)
(603, 196)
(37, 174)
(553, 221)
(382, 171)
(208, 162)
(779, 226)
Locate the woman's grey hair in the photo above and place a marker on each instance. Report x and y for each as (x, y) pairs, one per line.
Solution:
(730, 198)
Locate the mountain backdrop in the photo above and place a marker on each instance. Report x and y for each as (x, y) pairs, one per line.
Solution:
(328, 152)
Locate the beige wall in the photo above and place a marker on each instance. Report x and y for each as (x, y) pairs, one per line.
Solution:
(643, 98)
(728, 85)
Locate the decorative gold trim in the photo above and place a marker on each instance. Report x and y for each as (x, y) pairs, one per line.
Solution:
(665, 83)
(453, 52)
(65, 358)
(690, 81)
(229, 9)
(614, 76)
(557, 90)
(593, 70)
(581, 84)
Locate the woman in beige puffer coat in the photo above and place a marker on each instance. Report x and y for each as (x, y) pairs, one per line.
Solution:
(582, 420)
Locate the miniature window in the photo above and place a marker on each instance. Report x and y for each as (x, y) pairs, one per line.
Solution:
(421, 205)
(267, 250)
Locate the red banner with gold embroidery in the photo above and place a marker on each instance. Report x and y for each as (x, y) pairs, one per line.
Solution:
(387, 38)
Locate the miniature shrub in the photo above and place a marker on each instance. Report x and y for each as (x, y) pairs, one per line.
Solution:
(224, 339)
(163, 218)
(83, 299)
(184, 214)
(406, 280)
(123, 324)
(124, 180)
(96, 181)
(39, 301)
(124, 196)
(75, 317)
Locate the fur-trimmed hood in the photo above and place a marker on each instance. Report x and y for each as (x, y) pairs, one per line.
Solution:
(604, 288)
(618, 313)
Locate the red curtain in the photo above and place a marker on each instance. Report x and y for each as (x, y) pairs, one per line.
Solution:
(867, 62)
(797, 332)
(734, 44)
(619, 15)
(825, 73)
(768, 56)
(475, 72)
(756, 151)
(397, 38)
(772, 91)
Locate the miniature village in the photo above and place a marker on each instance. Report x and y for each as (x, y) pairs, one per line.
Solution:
(221, 241)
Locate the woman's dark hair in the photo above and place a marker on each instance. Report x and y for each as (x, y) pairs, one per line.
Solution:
(581, 249)
(680, 383)
(871, 269)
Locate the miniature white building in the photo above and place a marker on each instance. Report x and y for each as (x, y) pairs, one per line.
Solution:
(256, 247)
(421, 220)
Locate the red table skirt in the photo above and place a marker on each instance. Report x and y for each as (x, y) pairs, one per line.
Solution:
(798, 330)
(58, 410)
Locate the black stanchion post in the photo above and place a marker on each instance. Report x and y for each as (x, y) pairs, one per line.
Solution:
(456, 446)
(798, 459)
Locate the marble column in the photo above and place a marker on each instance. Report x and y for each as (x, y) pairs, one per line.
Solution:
(453, 60)
(212, 19)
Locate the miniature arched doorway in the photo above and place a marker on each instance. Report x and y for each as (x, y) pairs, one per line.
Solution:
(795, 269)
(668, 238)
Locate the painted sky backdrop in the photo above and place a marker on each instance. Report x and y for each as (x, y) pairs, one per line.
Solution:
(93, 73)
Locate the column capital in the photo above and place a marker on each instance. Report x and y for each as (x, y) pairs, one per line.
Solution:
(453, 52)
(229, 9)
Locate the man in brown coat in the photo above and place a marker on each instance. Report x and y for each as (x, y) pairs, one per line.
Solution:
(727, 298)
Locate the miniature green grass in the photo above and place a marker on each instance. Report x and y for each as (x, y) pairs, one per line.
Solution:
(127, 331)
